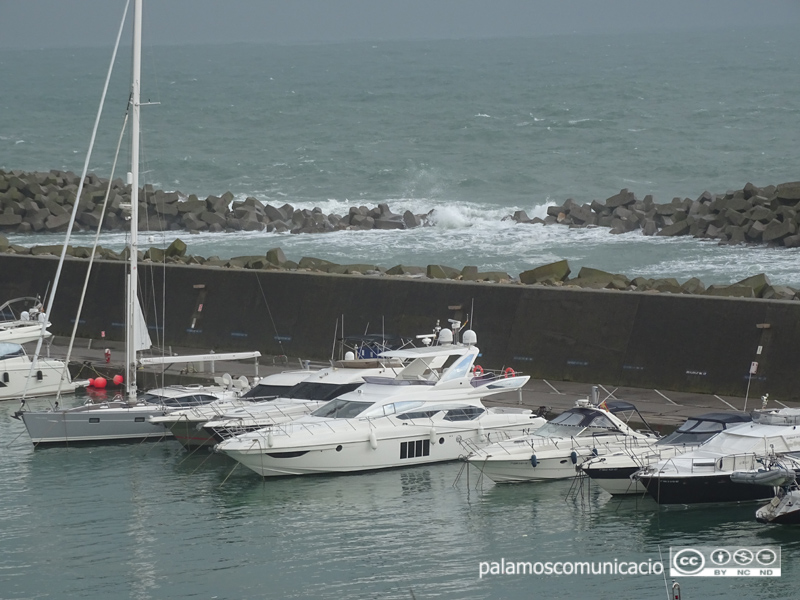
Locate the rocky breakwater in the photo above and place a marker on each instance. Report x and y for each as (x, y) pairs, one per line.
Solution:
(555, 274)
(768, 215)
(36, 202)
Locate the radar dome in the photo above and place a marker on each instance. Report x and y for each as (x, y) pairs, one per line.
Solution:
(349, 356)
(445, 337)
(469, 337)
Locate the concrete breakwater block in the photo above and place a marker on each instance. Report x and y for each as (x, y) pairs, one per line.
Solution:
(33, 202)
(755, 215)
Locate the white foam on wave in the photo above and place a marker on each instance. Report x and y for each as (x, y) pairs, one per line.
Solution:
(450, 217)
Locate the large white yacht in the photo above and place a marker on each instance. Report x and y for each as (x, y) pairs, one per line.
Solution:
(19, 377)
(613, 471)
(315, 390)
(426, 412)
(275, 399)
(557, 450)
(704, 474)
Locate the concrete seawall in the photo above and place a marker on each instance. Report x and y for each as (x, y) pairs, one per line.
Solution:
(667, 341)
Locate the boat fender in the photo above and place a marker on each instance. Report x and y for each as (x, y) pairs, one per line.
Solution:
(481, 435)
(270, 439)
(534, 461)
(509, 372)
(373, 440)
(477, 370)
(573, 456)
(433, 435)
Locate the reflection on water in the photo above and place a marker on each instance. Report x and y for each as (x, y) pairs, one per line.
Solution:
(153, 521)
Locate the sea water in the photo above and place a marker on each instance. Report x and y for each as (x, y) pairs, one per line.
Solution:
(473, 130)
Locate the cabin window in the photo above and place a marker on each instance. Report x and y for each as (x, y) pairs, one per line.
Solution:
(341, 409)
(422, 414)
(287, 454)
(138, 420)
(464, 414)
(5, 377)
(601, 421)
(94, 419)
(415, 448)
(568, 418)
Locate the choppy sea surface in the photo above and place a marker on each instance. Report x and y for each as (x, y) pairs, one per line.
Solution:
(471, 129)
(474, 130)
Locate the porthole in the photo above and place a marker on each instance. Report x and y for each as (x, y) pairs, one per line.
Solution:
(441, 440)
(339, 448)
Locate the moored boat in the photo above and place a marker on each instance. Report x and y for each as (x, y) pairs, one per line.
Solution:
(425, 413)
(613, 471)
(703, 475)
(557, 450)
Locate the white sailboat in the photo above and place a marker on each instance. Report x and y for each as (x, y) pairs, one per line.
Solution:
(125, 418)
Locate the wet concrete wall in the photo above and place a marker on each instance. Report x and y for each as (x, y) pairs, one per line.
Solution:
(662, 341)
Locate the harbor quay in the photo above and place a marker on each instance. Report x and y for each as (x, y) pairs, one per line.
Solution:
(663, 410)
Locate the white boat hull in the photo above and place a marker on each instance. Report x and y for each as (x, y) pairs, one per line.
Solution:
(17, 380)
(517, 470)
(363, 454)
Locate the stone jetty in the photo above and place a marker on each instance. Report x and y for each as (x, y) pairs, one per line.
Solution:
(555, 274)
(768, 215)
(42, 202)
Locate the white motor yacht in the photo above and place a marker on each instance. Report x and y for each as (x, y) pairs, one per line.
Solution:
(425, 413)
(557, 450)
(19, 377)
(186, 425)
(316, 389)
(704, 474)
(613, 471)
(21, 321)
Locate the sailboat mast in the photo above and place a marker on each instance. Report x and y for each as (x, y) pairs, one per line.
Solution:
(133, 279)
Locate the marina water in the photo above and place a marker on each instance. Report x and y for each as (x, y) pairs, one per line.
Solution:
(146, 521)
(474, 130)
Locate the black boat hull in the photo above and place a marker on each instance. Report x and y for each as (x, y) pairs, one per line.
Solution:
(703, 489)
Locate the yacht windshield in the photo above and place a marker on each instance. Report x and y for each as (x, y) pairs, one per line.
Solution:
(577, 422)
(264, 390)
(692, 431)
(8, 350)
(312, 390)
(341, 409)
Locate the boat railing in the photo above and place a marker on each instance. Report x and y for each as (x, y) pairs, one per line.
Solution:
(481, 377)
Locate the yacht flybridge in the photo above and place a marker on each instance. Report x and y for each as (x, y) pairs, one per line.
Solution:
(557, 450)
(276, 399)
(423, 413)
(21, 321)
